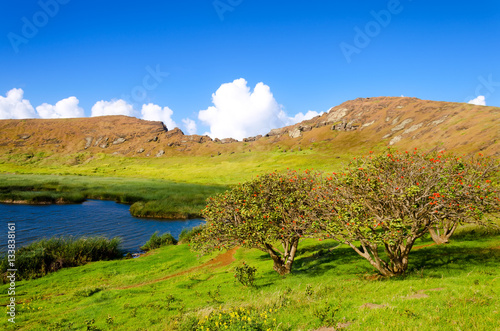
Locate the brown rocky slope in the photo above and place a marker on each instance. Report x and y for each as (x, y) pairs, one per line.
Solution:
(382, 121)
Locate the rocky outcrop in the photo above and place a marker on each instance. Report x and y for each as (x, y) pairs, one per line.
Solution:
(335, 115)
(88, 142)
(250, 139)
(296, 131)
(119, 141)
(277, 132)
(174, 132)
(228, 141)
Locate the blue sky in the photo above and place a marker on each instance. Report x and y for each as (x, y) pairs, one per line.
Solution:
(104, 51)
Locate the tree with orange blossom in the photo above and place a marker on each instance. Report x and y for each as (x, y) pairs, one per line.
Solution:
(269, 210)
(389, 201)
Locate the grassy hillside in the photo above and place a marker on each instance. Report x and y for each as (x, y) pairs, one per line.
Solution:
(119, 146)
(448, 287)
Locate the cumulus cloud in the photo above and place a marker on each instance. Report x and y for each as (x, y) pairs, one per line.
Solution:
(113, 107)
(480, 101)
(190, 125)
(152, 112)
(13, 106)
(238, 112)
(298, 117)
(66, 108)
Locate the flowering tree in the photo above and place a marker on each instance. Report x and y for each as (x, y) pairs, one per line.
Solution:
(259, 214)
(389, 201)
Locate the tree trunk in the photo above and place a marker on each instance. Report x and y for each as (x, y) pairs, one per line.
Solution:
(373, 258)
(283, 264)
(399, 265)
(442, 235)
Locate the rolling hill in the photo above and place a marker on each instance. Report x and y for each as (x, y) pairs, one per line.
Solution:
(127, 146)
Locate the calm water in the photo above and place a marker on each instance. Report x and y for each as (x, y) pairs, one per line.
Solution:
(93, 217)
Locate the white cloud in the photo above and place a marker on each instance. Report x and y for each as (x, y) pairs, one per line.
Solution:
(238, 112)
(190, 125)
(480, 101)
(66, 108)
(152, 112)
(113, 107)
(299, 117)
(13, 106)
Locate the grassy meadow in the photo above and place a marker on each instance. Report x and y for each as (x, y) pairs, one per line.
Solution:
(448, 287)
(199, 169)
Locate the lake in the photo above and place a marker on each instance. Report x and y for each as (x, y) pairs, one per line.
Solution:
(91, 218)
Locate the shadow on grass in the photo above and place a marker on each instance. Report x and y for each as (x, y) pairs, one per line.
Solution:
(458, 257)
(453, 258)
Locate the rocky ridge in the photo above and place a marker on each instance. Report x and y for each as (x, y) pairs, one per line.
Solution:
(391, 121)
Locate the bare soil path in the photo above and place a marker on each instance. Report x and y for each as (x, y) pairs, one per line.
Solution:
(221, 260)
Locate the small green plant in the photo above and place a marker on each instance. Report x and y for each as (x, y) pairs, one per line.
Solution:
(110, 319)
(157, 241)
(169, 299)
(214, 296)
(326, 313)
(309, 290)
(90, 325)
(245, 274)
(88, 291)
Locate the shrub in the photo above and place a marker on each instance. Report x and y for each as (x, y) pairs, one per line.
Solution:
(266, 213)
(389, 201)
(188, 234)
(157, 241)
(49, 255)
(245, 274)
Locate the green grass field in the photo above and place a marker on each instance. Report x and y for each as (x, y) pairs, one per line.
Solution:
(452, 287)
(218, 170)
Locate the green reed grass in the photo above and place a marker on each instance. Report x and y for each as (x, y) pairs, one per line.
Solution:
(48, 255)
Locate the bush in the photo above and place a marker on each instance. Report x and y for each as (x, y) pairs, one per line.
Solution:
(49, 255)
(269, 212)
(245, 274)
(389, 201)
(157, 241)
(188, 234)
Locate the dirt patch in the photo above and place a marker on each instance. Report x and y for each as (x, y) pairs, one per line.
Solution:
(436, 289)
(221, 260)
(419, 295)
(372, 306)
(423, 246)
